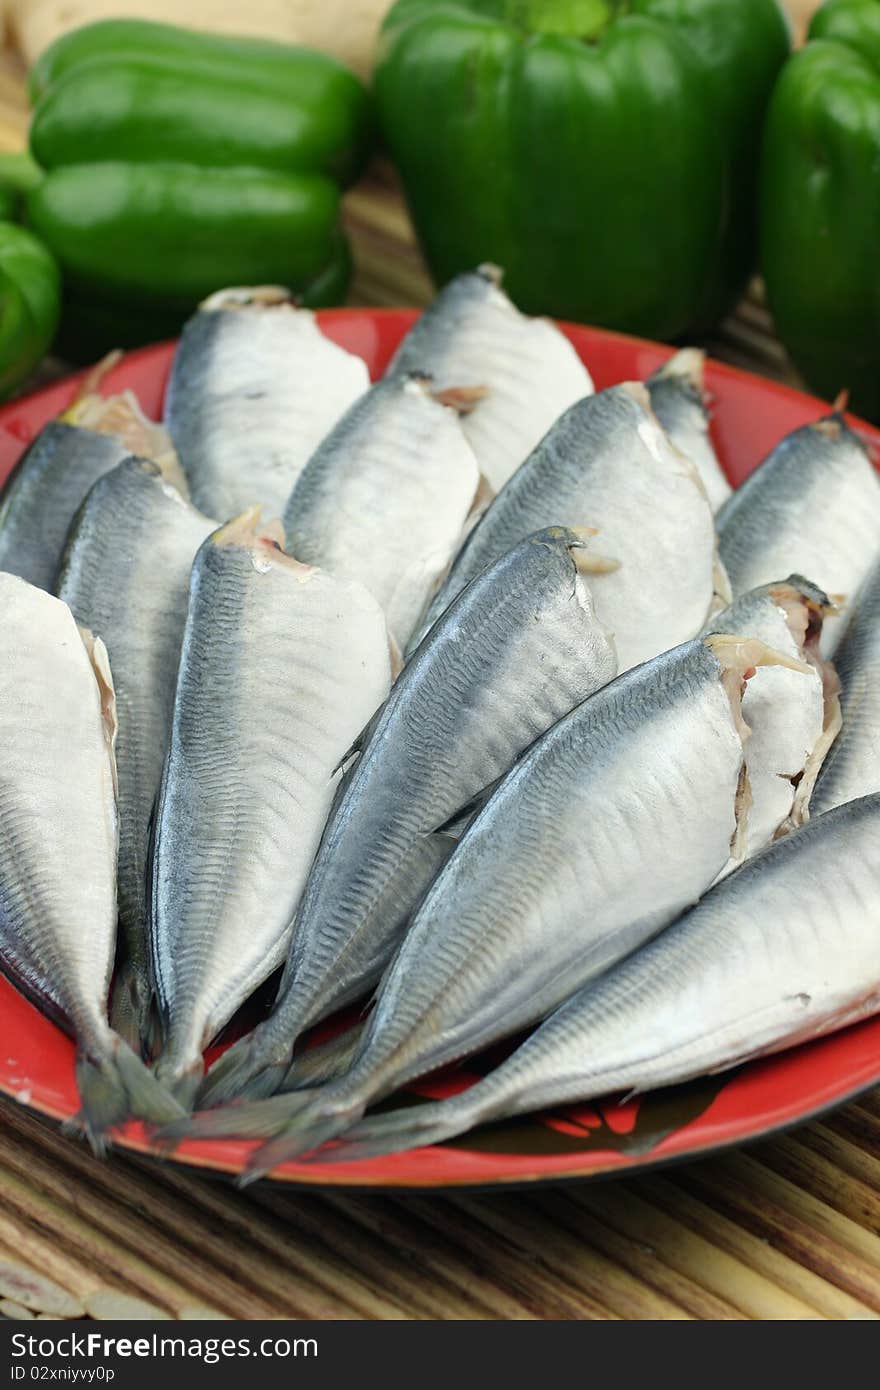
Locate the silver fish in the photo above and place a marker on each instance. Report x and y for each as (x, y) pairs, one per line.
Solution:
(472, 335)
(58, 844)
(607, 463)
(612, 823)
(678, 397)
(385, 497)
(518, 649)
(812, 507)
(852, 767)
(254, 387)
(794, 717)
(281, 667)
(51, 479)
(763, 963)
(125, 575)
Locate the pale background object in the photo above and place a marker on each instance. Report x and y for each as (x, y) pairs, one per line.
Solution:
(345, 28)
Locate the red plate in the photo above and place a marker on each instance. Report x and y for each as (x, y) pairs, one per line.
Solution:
(36, 1059)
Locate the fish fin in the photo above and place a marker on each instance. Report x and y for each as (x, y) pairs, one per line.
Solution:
(251, 1119)
(688, 366)
(363, 738)
(181, 1082)
(114, 1086)
(397, 663)
(131, 1009)
(91, 384)
(455, 825)
(463, 399)
(317, 1065)
(243, 1071)
(411, 1127)
(741, 654)
(306, 1128)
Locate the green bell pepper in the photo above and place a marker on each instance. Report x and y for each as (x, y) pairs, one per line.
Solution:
(29, 302)
(177, 163)
(601, 151)
(128, 89)
(820, 204)
(166, 235)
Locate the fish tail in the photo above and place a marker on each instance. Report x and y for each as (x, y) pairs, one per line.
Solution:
(114, 1086)
(131, 1009)
(301, 1128)
(180, 1078)
(255, 1119)
(246, 1071)
(326, 1062)
(411, 1127)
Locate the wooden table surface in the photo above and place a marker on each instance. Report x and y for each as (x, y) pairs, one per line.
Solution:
(789, 1228)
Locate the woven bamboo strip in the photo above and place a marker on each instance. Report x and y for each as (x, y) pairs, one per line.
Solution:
(532, 1236)
(722, 1274)
(672, 1195)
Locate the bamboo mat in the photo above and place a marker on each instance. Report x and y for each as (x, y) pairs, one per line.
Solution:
(788, 1229)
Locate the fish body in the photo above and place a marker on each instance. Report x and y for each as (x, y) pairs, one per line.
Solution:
(784, 950)
(793, 715)
(812, 508)
(852, 768)
(281, 667)
(606, 463)
(50, 481)
(385, 497)
(516, 651)
(472, 335)
(607, 828)
(678, 398)
(58, 838)
(254, 387)
(125, 575)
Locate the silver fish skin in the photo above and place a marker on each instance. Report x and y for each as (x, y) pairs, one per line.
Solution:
(794, 716)
(58, 835)
(254, 387)
(280, 669)
(125, 575)
(785, 950)
(852, 768)
(50, 481)
(607, 463)
(518, 649)
(813, 508)
(678, 397)
(385, 497)
(472, 335)
(612, 823)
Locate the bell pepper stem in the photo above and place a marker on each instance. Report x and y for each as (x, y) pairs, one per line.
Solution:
(582, 19)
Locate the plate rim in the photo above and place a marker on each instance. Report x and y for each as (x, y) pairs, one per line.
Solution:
(617, 1165)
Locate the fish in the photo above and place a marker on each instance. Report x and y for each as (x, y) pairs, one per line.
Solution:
(281, 667)
(472, 335)
(812, 507)
(519, 648)
(794, 717)
(125, 576)
(386, 496)
(605, 830)
(58, 835)
(678, 398)
(785, 950)
(607, 463)
(852, 767)
(254, 387)
(51, 479)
